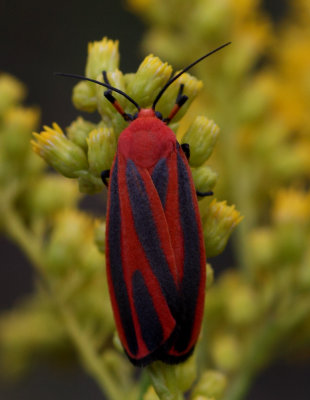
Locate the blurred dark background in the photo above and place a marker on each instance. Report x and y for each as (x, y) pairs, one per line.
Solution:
(36, 39)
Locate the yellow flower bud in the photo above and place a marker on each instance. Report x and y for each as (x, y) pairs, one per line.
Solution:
(210, 385)
(18, 124)
(242, 305)
(219, 220)
(84, 96)
(101, 149)
(103, 55)
(262, 247)
(290, 242)
(78, 132)
(91, 306)
(186, 374)
(21, 118)
(226, 352)
(100, 235)
(51, 194)
(291, 213)
(62, 154)
(207, 18)
(201, 137)
(151, 76)
(291, 205)
(287, 162)
(253, 102)
(192, 87)
(11, 92)
(204, 178)
(71, 246)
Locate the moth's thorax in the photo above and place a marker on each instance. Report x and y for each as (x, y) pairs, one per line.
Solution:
(146, 113)
(146, 140)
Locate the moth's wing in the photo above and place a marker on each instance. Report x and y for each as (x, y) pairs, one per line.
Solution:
(141, 267)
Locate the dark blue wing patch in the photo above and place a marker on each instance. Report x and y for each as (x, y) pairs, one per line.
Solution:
(116, 268)
(149, 322)
(148, 236)
(160, 177)
(191, 268)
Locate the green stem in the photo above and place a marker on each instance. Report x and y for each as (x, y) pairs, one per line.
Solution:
(92, 363)
(164, 381)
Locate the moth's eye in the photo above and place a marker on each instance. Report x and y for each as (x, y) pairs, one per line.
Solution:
(135, 116)
(158, 115)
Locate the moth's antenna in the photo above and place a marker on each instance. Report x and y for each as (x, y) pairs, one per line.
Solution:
(83, 78)
(185, 70)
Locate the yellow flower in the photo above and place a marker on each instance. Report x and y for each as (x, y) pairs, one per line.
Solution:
(79, 130)
(11, 92)
(218, 221)
(242, 306)
(51, 194)
(192, 86)
(186, 373)
(291, 205)
(102, 56)
(261, 243)
(201, 137)
(18, 124)
(226, 352)
(22, 118)
(204, 178)
(71, 244)
(84, 96)
(210, 385)
(54, 147)
(101, 149)
(151, 76)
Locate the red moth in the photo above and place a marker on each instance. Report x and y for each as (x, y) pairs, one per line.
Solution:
(155, 252)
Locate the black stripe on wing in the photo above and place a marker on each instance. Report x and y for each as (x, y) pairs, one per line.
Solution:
(148, 236)
(160, 177)
(192, 258)
(151, 329)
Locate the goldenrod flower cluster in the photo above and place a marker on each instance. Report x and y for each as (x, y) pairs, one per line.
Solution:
(67, 245)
